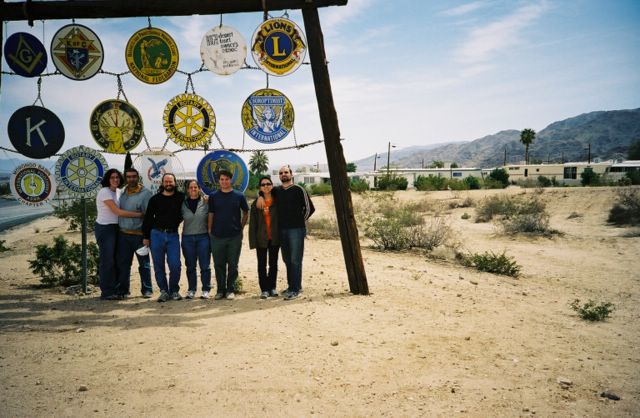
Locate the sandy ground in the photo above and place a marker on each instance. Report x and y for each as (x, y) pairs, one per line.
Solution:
(432, 339)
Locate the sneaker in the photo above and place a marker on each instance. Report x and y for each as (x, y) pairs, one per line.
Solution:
(191, 294)
(147, 294)
(231, 296)
(204, 295)
(264, 295)
(219, 296)
(273, 293)
(176, 296)
(164, 296)
(291, 296)
(110, 297)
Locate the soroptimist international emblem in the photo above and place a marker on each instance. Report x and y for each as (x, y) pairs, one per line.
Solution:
(152, 55)
(80, 170)
(35, 132)
(25, 54)
(223, 50)
(278, 46)
(189, 120)
(152, 164)
(77, 52)
(116, 126)
(212, 163)
(267, 116)
(32, 184)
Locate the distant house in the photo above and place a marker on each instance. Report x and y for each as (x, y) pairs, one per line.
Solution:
(569, 173)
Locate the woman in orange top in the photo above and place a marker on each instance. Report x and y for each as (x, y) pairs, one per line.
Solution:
(263, 236)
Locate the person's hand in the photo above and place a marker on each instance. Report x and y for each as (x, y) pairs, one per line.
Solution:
(145, 242)
(260, 202)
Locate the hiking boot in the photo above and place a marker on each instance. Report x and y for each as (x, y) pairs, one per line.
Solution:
(164, 296)
(291, 296)
(231, 296)
(264, 295)
(191, 294)
(204, 295)
(176, 296)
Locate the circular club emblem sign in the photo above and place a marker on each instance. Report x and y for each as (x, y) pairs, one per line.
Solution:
(35, 132)
(212, 163)
(25, 54)
(152, 55)
(267, 116)
(77, 52)
(278, 46)
(223, 50)
(189, 120)
(32, 184)
(80, 170)
(116, 126)
(153, 164)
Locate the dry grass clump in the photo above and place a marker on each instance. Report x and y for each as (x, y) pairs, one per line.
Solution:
(516, 214)
(324, 228)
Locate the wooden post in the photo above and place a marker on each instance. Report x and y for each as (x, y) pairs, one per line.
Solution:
(335, 156)
(83, 202)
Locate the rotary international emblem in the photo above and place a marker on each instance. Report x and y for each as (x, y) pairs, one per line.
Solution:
(278, 46)
(212, 163)
(80, 170)
(32, 184)
(116, 126)
(267, 116)
(189, 120)
(77, 52)
(152, 55)
(25, 54)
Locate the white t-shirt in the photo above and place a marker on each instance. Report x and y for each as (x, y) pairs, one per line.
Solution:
(105, 215)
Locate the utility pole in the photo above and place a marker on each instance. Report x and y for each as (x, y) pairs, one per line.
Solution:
(389, 157)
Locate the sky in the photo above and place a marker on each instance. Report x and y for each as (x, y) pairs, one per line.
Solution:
(402, 72)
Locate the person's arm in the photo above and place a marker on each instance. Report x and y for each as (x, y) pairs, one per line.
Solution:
(210, 222)
(308, 207)
(253, 224)
(148, 221)
(120, 212)
(245, 217)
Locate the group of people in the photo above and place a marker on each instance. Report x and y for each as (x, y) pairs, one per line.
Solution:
(133, 221)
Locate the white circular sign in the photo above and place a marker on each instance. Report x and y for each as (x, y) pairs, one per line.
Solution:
(152, 164)
(32, 184)
(223, 50)
(80, 171)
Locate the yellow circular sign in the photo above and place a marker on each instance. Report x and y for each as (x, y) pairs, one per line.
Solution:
(152, 55)
(278, 46)
(189, 120)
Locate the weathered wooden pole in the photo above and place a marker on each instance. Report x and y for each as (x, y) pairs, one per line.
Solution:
(335, 156)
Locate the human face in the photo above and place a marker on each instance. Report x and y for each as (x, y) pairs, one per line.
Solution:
(266, 186)
(285, 174)
(132, 179)
(225, 182)
(169, 184)
(114, 181)
(193, 190)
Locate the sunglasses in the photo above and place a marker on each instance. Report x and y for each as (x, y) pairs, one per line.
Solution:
(266, 184)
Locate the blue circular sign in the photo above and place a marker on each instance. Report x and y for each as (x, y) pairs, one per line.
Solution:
(25, 54)
(35, 132)
(80, 170)
(212, 163)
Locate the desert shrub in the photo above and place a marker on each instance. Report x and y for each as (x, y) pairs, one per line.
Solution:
(386, 234)
(61, 264)
(472, 182)
(544, 181)
(626, 210)
(589, 177)
(455, 184)
(72, 212)
(465, 216)
(574, 215)
(499, 175)
(358, 185)
(491, 206)
(633, 176)
(430, 182)
(529, 216)
(527, 183)
(326, 228)
(392, 182)
(493, 263)
(3, 248)
(592, 311)
(320, 189)
(430, 235)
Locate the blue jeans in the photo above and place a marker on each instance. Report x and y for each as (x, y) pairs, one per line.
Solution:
(106, 237)
(226, 254)
(127, 246)
(292, 244)
(196, 248)
(166, 244)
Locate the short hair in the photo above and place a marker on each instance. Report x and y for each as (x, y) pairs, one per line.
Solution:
(107, 176)
(225, 172)
(288, 167)
(131, 170)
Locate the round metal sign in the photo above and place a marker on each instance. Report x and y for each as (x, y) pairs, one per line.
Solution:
(267, 116)
(116, 126)
(77, 52)
(152, 55)
(223, 50)
(32, 184)
(278, 46)
(35, 132)
(80, 170)
(153, 164)
(25, 54)
(189, 120)
(212, 163)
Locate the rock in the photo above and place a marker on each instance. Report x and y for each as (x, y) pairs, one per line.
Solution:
(79, 330)
(473, 282)
(83, 388)
(334, 343)
(610, 395)
(564, 382)
(467, 338)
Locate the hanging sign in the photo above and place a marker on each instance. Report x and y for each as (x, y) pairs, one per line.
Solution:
(80, 171)
(116, 126)
(223, 50)
(77, 52)
(278, 46)
(212, 163)
(32, 184)
(25, 54)
(152, 55)
(189, 120)
(153, 164)
(267, 116)
(35, 132)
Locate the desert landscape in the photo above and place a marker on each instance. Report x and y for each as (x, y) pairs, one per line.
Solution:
(434, 338)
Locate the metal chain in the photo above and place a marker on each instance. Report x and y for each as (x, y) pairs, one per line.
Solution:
(220, 19)
(39, 98)
(149, 20)
(189, 83)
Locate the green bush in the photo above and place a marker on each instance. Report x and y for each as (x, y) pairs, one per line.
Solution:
(544, 181)
(500, 175)
(455, 184)
(589, 177)
(61, 264)
(358, 185)
(3, 248)
(465, 216)
(633, 176)
(626, 210)
(493, 263)
(72, 212)
(529, 216)
(491, 206)
(591, 311)
(430, 182)
(472, 182)
(320, 189)
(392, 182)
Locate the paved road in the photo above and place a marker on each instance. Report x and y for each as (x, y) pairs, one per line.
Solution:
(13, 213)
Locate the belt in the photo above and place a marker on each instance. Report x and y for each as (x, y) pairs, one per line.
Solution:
(131, 232)
(167, 231)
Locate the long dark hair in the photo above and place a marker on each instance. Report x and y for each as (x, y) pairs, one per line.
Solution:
(107, 176)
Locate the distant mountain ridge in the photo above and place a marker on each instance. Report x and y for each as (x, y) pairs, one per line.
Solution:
(610, 134)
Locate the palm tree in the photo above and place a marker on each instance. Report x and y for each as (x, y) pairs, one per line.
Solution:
(526, 137)
(259, 162)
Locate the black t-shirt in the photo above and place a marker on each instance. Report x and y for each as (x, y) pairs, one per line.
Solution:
(163, 212)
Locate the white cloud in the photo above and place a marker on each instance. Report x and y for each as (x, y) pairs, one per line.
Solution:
(337, 16)
(465, 8)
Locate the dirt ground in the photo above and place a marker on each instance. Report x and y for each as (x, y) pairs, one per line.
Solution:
(433, 338)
